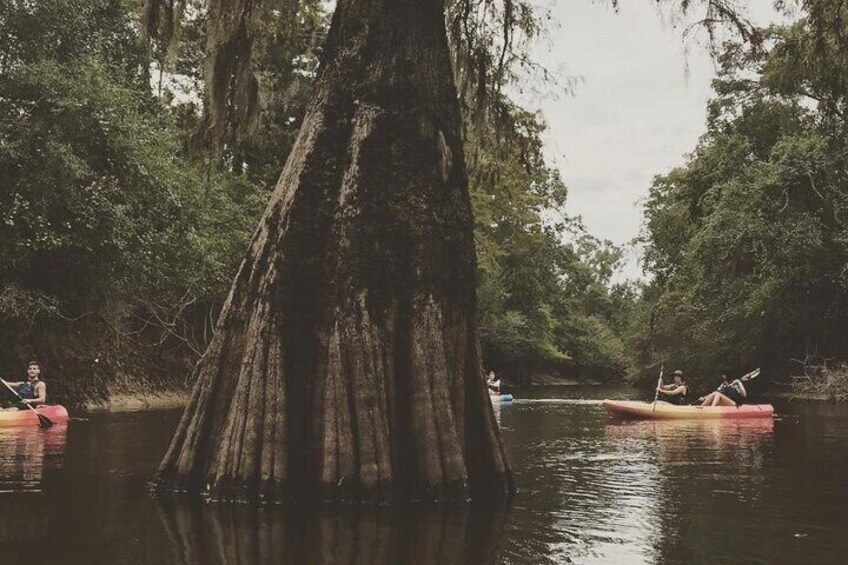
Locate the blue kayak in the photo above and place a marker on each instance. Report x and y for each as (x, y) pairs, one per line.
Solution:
(501, 397)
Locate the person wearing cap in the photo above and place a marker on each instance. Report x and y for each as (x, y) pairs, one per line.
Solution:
(677, 391)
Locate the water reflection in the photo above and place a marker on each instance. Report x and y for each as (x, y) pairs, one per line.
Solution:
(222, 534)
(496, 408)
(675, 437)
(581, 498)
(25, 451)
(601, 491)
(710, 487)
(590, 491)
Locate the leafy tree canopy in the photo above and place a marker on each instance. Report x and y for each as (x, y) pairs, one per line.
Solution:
(747, 241)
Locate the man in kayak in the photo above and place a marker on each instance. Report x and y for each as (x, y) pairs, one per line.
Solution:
(32, 391)
(676, 391)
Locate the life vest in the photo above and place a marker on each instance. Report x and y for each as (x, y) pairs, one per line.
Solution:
(680, 399)
(27, 390)
(732, 393)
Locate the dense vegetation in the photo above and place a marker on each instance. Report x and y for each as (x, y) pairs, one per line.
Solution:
(118, 242)
(125, 207)
(747, 243)
(124, 211)
(545, 297)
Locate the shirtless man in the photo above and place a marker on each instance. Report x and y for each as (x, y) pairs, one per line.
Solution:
(32, 391)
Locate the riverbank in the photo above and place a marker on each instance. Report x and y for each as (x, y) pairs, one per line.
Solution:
(554, 380)
(134, 402)
(790, 395)
(124, 399)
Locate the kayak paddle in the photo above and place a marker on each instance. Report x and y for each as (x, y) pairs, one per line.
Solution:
(657, 393)
(43, 420)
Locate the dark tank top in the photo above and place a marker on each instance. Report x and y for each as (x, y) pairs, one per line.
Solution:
(680, 399)
(27, 390)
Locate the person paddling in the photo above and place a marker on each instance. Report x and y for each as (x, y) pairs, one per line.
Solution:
(32, 391)
(731, 393)
(677, 391)
(494, 383)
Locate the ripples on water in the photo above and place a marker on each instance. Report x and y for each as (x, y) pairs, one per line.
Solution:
(591, 491)
(24, 454)
(597, 491)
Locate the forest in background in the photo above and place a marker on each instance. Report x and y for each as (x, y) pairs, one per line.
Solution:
(125, 208)
(747, 242)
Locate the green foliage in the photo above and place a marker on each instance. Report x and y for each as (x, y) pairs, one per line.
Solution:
(544, 297)
(98, 200)
(286, 52)
(102, 217)
(748, 241)
(118, 241)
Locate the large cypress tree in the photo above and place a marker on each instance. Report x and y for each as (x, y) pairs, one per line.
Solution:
(346, 363)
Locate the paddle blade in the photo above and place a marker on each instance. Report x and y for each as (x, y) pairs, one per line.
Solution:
(44, 421)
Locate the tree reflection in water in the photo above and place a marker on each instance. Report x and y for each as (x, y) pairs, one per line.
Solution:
(225, 534)
(709, 478)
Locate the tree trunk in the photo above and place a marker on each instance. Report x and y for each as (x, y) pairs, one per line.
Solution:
(345, 363)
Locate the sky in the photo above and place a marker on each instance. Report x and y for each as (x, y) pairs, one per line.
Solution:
(637, 107)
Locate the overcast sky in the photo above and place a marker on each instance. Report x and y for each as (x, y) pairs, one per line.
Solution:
(638, 107)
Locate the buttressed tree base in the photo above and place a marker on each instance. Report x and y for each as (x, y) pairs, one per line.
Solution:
(346, 364)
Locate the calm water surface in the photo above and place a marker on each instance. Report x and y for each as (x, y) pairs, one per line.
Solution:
(591, 491)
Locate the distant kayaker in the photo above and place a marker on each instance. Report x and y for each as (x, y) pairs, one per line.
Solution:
(677, 391)
(32, 391)
(494, 383)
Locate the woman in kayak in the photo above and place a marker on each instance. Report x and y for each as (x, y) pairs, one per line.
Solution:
(494, 383)
(677, 391)
(728, 394)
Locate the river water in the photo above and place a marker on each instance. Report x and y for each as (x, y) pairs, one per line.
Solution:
(591, 491)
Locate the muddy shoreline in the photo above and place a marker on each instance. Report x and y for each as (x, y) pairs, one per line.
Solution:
(172, 399)
(134, 402)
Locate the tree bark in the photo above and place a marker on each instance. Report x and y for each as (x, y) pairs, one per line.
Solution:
(345, 363)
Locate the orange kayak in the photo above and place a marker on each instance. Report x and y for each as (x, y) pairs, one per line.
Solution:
(55, 412)
(666, 411)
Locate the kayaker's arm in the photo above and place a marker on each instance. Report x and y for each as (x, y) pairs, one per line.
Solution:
(737, 384)
(667, 389)
(40, 395)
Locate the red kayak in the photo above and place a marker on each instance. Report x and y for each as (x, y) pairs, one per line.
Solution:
(665, 411)
(55, 412)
